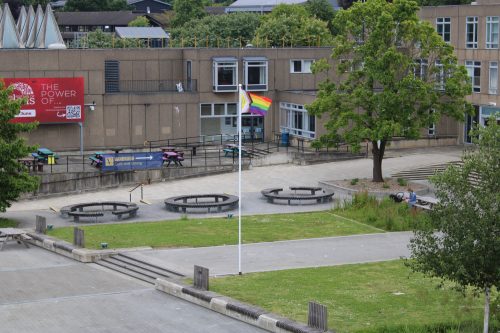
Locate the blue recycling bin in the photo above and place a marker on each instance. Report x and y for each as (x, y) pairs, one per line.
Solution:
(285, 136)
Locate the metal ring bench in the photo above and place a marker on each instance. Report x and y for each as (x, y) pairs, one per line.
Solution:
(318, 194)
(219, 201)
(116, 208)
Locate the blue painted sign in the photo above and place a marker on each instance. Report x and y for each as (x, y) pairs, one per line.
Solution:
(132, 161)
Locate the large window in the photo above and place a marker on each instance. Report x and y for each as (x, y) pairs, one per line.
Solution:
(439, 83)
(420, 70)
(493, 78)
(217, 109)
(492, 32)
(474, 70)
(225, 74)
(443, 27)
(255, 73)
(301, 66)
(295, 120)
(471, 32)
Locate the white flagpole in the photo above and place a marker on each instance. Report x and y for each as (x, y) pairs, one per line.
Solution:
(239, 180)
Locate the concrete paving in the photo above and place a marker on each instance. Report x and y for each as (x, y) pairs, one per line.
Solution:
(262, 257)
(253, 181)
(45, 292)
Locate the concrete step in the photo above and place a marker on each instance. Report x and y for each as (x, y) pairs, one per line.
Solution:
(423, 172)
(125, 271)
(136, 268)
(147, 266)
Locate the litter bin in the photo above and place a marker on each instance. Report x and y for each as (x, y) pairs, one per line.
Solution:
(51, 159)
(285, 139)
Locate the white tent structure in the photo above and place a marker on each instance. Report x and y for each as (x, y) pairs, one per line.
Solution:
(37, 30)
(9, 36)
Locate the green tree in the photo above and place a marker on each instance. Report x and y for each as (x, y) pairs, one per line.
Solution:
(232, 30)
(14, 177)
(95, 5)
(291, 25)
(103, 40)
(187, 10)
(139, 21)
(395, 77)
(461, 241)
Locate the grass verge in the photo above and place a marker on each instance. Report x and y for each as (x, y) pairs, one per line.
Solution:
(7, 223)
(384, 214)
(375, 297)
(216, 231)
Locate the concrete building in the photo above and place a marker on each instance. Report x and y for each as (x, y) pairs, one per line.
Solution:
(473, 30)
(138, 95)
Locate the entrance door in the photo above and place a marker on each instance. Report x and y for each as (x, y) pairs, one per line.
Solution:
(252, 127)
(470, 122)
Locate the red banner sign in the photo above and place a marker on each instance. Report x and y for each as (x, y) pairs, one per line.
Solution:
(49, 100)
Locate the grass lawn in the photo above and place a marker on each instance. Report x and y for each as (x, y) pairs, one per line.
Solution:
(385, 214)
(360, 298)
(216, 231)
(6, 223)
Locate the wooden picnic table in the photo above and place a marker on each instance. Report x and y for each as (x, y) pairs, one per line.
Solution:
(31, 163)
(14, 234)
(171, 156)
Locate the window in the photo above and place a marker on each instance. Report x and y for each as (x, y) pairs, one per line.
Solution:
(439, 75)
(255, 73)
(221, 110)
(225, 74)
(420, 70)
(493, 78)
(295, 120)
(431, 130)
(471, 32)
(443, 27)
(301, 66)
(474, 70)
(492, 32)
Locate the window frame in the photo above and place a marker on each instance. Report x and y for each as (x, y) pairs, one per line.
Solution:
(472, 66)
(302, 66)
(493, 65)
(256, 62)
(471, 22)
(222, 115)
(443, 23)
(291, 114)
(221, 63)
(490, 33)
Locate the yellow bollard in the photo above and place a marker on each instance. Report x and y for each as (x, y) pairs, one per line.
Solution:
(51, 159)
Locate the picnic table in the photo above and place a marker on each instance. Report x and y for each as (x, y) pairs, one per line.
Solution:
(31, 163)
(13, 234)
(232, 150)
(171, 156)
(43, 154)
(96, 158)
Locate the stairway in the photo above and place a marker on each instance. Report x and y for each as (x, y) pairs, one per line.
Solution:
(423, 172)
(138, 269)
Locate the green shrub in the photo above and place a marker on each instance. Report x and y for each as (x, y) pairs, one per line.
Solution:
(354, 181)
(402, 182)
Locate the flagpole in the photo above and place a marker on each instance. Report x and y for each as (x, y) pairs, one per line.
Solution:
(239, 180)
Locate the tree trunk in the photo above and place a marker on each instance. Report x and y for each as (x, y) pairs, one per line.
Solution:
(378, 156)
(486, 309)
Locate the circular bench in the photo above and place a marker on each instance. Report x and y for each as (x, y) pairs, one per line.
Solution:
(98, 209)
(219, 201)
(318, 194)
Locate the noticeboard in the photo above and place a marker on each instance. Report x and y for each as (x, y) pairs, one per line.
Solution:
(132, 161)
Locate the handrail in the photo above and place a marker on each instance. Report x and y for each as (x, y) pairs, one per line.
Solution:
(135, 188)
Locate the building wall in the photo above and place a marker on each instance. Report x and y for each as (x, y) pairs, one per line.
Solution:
(131, 118)
(458, 15)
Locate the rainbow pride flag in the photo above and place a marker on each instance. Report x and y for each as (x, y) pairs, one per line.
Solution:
(260, 104)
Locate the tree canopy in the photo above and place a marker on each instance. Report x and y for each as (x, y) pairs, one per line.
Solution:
(395, 76)
(187, 10)
(461, 241)
(95, 5)
(139, 21)
(14, 178)
(232, 30)
(291, 25)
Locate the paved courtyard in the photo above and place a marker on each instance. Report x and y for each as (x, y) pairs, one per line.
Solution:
(45, 292)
